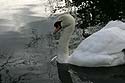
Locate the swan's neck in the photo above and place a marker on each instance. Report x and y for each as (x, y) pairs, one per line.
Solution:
(63, 47)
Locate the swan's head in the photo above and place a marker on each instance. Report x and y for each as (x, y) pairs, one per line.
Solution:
(66, 25)
(63, 22)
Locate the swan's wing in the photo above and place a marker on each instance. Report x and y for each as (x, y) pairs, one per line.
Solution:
(100, 49)
(109, 40)
(111, 24)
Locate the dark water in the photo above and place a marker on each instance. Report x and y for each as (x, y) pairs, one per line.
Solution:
(101, 74)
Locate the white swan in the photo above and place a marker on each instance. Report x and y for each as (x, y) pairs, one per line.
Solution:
(103, 48)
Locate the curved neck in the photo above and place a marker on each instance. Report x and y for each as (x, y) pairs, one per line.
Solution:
(63, 47)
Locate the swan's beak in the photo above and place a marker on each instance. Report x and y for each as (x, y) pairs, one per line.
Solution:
(57, 26)
(57, 29)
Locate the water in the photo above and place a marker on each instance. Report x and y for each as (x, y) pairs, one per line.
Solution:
(18, 18)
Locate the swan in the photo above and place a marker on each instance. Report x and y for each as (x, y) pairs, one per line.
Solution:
(101, 49)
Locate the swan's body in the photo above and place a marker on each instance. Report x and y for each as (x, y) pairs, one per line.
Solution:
(103, 48)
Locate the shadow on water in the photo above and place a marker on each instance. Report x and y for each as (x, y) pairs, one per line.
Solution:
(114, 74)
